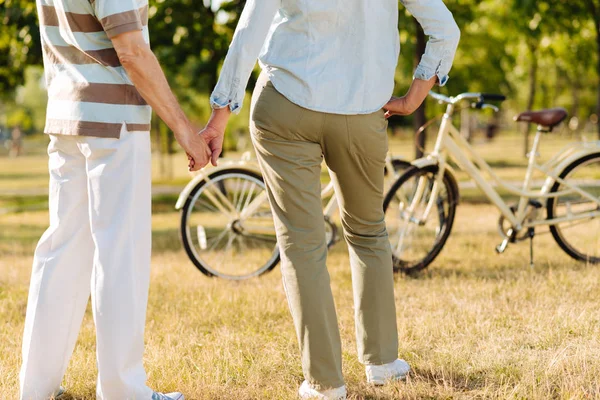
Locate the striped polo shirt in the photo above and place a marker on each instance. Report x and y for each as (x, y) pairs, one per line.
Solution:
(89, 92)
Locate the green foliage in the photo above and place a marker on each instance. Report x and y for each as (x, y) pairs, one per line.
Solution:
(29, 107)
(539, 51)
(19, 42)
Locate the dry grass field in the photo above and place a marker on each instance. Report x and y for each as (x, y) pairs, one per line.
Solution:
(476, 325)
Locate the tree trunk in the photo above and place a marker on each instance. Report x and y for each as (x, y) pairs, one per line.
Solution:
(532, 90)
(576, 88)
(595, 13)
(419, 117)
(156, 142)
(597, 21)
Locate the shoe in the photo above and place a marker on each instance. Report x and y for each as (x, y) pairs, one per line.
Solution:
(394, 371)
(57, 395)
(167, 396)
(307, 392)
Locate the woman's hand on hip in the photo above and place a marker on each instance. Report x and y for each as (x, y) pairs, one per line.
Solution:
(408, 104)
(399, 106)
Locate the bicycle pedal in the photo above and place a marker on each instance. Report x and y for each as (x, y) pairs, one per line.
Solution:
(502, 246)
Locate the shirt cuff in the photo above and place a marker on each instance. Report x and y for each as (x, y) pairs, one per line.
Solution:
(128, 27)
(426, 73)
(218, 101)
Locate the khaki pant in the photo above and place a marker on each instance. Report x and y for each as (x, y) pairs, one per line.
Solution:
(291, 142)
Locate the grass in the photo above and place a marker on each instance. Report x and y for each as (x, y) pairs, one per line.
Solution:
(476, 325)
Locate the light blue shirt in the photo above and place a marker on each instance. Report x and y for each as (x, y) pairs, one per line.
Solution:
(334, 56)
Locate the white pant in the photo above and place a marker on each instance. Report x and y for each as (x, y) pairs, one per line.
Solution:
(99, 240)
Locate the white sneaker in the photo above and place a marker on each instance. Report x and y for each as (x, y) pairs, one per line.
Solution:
(394, 371)
(167, 396)
(307, 392)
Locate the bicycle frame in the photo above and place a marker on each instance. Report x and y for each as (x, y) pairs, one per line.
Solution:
(450, 143)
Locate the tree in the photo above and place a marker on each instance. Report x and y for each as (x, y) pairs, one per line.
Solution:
(19, 42)
(594, 9)
(420, 115)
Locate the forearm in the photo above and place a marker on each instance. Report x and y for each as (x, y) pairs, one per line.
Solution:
(218, 119)
(146, 74)
(413, 99)
(419, 89)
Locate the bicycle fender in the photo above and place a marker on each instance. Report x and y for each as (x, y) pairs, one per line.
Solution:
(428, 162)
(205, 173)
(579, 153)
(424, 162)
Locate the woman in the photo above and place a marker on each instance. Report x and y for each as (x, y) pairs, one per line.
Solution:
(325, 93)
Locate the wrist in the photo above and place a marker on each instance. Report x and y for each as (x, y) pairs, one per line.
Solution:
(218, 119)
(183, 130)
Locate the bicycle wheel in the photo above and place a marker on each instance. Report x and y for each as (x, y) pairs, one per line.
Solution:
(580, 238)
(400, 165)
(416, 238)
(227, 226)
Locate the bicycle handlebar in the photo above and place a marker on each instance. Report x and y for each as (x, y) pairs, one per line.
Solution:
(480, 97)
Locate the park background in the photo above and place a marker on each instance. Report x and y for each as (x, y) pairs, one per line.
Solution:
(475, 325)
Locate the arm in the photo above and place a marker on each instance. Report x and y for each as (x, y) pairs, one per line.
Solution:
(144, 71)
(122, 22)
(248, 40)
(409, 103)
(438, 23)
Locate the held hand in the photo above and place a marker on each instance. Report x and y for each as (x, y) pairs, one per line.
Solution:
(214, 132)
(213, 137)
(196, 149)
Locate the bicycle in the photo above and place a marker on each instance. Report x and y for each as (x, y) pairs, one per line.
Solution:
(421, 204)
(227, 227)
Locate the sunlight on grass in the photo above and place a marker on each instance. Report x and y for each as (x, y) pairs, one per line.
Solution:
(475, 325)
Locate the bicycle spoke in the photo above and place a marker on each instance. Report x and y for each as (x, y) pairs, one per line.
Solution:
(238, 205)
(237, 191)
(218, 240)
(249, 197)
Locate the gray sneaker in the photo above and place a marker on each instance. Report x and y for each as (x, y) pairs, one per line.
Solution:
(307, 392)
(58, 394)
(381, 374)
(167, 396)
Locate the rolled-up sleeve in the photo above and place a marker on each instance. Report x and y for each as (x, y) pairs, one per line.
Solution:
(248, 40)
(438, 23)
(119, 16)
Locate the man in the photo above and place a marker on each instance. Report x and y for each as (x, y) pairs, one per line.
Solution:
(328, 70)
(102, 79)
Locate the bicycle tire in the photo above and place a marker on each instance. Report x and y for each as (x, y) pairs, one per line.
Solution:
(398, 164)
(186, 237)
(451, 188)
(557, 234)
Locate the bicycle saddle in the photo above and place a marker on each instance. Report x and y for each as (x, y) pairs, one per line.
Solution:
(549, 117)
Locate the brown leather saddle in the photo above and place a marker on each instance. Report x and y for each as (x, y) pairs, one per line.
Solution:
(548, 118)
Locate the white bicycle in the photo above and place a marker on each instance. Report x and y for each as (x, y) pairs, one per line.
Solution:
(421, 204)
(227, 226)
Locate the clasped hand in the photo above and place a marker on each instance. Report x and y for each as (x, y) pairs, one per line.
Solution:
(204, 147)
